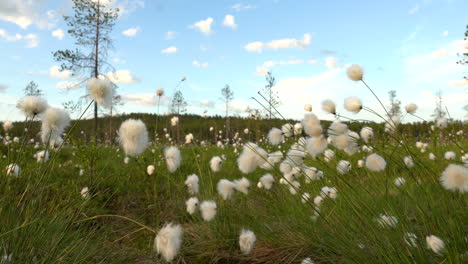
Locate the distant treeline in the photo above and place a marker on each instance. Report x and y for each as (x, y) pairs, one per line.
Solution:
(199, 126)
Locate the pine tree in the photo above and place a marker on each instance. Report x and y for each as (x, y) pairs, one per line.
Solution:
(227, 95)
(90, 26)
(32, 89)
(395, 105)
(271, 96)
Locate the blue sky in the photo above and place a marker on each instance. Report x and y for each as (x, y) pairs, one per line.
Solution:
(408, 46)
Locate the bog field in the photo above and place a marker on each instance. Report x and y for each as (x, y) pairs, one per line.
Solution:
(308, 191)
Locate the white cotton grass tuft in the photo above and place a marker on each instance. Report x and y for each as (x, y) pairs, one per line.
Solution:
(432, 156)
(330, 192)
(307, 261)
(355, 72)
(387, 221)
(168, 241)
(308, 107)
(275, 136)
(311, 125)
(101, 91)
(242, 185)
(353, 104)
(411, 108)
(455, 178)
(192, 184)
(247, 240)
(252, 156)
(297, 129)
(174, 121)
(287, 129)
(316, 145)
(367, 133)
(329, 155)
(450, 155)
(343, 167)
(400, 181)
(408, 160)
(150, 169)
(267, 181)
(192, 205)
(329, 106)
(435, 244)
(54, 122)
(133, 136)
(42, 156)
(85, 193)
(375, 162)
(173, 158)
(411, 239)
(441, 123)
(225, 188)
(7, 125)
(208, 210)
(216, 163)
(13, 170)
(189, 138)
(32, 106)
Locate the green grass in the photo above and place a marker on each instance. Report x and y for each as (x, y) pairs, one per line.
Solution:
(44, 219)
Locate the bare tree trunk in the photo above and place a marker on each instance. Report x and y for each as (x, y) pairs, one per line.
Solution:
(96, 66)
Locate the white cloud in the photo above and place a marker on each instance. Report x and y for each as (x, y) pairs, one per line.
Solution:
(32, 40)
(131, 32)
(27, 12)
(199, 64)
(413, 10)
(445, 33)
(170, 35)
(169, 50)
(267, 65)
(229, 21)
(58, 33)
(258, 46)
(67, 85)
(55, 72)
(125, 6)
(331, 62)
(204, 26)
(207, 103)
(459, 83)
(122, 76)
(313, 62)
(144, 99)
(239, 7)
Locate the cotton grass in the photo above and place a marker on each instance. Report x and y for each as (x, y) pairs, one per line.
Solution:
(208, 210)
(168, 241)
(54, 122)
(247, 241)
(455, 178)
(32, 106)
(375, 162)
(133, 137)
(225, 189)
(173, 158)
(101, 91)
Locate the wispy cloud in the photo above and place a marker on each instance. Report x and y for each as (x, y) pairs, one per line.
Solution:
(240, 6)
(169, 50)
(131, 32)
(204, 26)
(259, 46)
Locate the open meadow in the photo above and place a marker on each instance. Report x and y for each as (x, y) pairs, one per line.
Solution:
(234, 131)
(303, 193)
